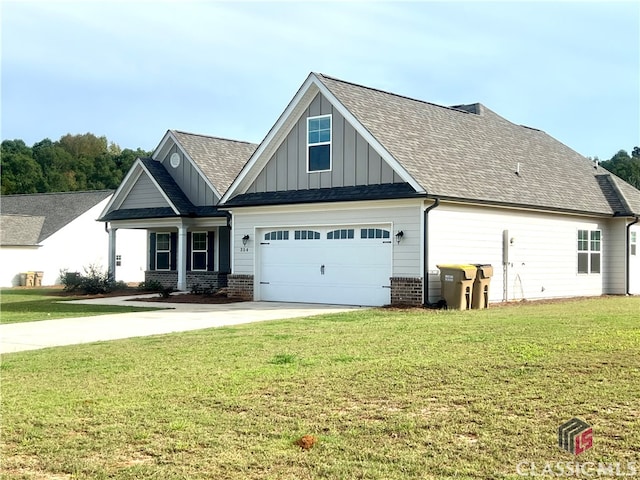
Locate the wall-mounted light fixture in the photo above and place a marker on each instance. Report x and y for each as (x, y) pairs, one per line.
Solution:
(245, 239)
(399, 236)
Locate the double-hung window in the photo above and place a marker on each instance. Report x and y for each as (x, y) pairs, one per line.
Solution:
(319, 143)
(199, 251)
(633, 245)
(589, 251)
(163, 251)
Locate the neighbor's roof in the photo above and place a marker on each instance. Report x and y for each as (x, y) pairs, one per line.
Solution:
(20, 230)
(58, 209)
(219, 159)
(469, 152)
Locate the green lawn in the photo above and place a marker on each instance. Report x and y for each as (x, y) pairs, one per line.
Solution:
(390, 394)
(31, 305)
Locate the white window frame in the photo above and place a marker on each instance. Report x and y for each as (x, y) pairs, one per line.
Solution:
(167, 251)
(590, 251)
(633, 243)
(194, 251)
(317, 144)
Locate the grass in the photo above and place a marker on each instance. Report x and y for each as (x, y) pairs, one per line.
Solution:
(31, 305)
(389, 394)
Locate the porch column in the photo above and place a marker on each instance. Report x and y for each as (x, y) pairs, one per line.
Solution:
(112, 252)
(182, 257)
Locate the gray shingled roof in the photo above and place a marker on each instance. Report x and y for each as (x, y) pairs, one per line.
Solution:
(20, 230)
(58, 209)
(169, 186)
(315, 195)
(469, 152)
(219, 159)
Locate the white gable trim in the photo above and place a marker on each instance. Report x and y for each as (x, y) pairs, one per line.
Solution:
(129, 181)
(123, 189)
(170, 135)
(304, 96)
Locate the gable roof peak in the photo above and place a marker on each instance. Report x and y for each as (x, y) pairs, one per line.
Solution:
(211, 137)
(396, 95)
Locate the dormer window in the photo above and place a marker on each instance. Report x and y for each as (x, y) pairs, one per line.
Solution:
(319, 143)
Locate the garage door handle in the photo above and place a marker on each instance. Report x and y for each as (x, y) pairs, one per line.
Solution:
(321, 269)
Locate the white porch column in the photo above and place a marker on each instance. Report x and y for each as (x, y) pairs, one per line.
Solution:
(112, 252)
(182, 257)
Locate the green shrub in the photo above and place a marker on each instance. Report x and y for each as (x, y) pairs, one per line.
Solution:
(93, 281)
(151, 286)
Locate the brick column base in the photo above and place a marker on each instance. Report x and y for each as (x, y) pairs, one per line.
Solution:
(240, 286)
(406, 291)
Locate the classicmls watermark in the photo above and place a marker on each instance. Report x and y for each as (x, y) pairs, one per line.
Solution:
(577, 469)
(576, 437)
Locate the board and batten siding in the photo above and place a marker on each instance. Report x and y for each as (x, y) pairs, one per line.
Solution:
(543, 260)
(189, 179)
(144, 194)
(400, 215)
(354, 161)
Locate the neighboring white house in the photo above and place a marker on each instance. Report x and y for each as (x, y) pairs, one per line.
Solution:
(49, 232)
(356, 195)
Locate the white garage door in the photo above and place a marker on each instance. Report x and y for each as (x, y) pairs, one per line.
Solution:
(346, 265)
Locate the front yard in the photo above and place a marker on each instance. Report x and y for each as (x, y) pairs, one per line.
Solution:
(36, 304)
(388, 394)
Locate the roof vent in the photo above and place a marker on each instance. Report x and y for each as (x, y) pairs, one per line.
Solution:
(518, 168)
(474, 108)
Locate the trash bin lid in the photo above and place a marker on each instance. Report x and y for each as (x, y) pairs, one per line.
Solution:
(485, 270)
(468, 269)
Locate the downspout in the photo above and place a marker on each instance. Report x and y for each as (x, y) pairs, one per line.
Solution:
(628, 257)
(228, 215)
(425, 234)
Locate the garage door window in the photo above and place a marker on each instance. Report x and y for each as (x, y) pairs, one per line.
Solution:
(374, 233)
(342, 234)
(277, 235)
(306, 235)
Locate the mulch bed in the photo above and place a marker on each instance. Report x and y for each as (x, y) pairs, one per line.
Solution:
(190, 298)
(179, 298)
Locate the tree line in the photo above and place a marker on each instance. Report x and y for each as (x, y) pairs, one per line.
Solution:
(73, 163)
(626, 166)
(88, 162)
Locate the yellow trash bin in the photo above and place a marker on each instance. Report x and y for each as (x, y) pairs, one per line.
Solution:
(31, 278)
(481, 286)
(38, 278)
(457, 285)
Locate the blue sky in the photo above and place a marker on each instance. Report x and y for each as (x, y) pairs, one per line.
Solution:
(132, 70)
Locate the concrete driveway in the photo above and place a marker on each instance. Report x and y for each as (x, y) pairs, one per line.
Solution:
(181, 317)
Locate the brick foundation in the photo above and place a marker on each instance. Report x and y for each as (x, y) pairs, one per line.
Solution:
(169, 279)
(240, 286)
(406, 291)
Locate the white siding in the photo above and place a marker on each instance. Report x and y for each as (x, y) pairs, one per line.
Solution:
(634, 264)
(542, 260)
(615, 252)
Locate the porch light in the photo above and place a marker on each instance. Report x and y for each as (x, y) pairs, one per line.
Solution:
(245, 239)
(399, 236)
